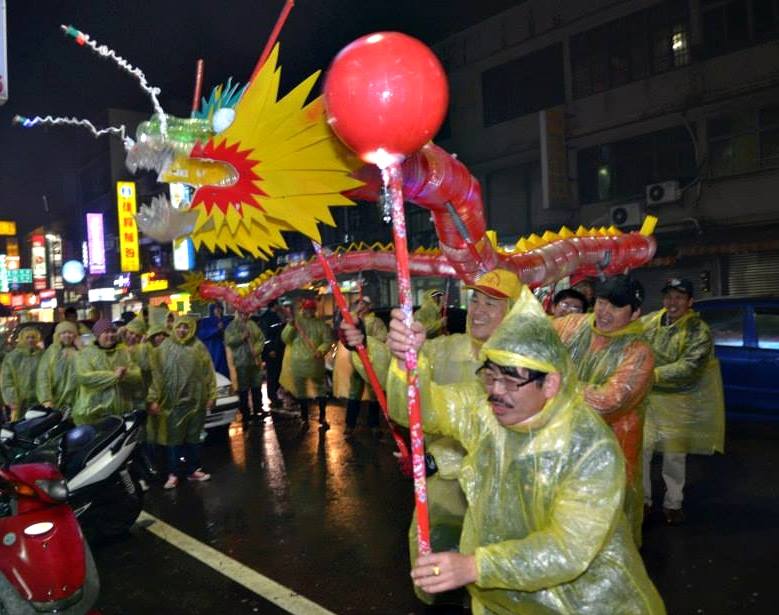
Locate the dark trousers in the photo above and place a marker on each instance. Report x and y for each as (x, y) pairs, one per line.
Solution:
(191, 454)
(256, 407)
(273, 373)
(353, 412)
(322, 401)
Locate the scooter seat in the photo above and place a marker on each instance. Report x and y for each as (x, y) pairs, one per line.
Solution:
(29, 429)
(81, 443)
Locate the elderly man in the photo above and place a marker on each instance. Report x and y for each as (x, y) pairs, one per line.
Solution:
(307, 340)
(183, 389)
(614, 365)
(454, 359)
(56, 385)
(685, 410)
(544, 479)
(107, 376)
(19, 372)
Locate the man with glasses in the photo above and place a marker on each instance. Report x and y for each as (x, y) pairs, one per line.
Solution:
(453, 359)
(543, 476)
(615, 365)
(685, 410)
(569, 301)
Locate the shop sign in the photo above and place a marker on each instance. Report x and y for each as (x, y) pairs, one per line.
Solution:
(4, 288)
(12, 246)
(102, 294)
(129, 248)
(39, 268)
(96, 244)
(19, 276)
(7, 227)
(54, 244)
(5, 298)
(150, 282)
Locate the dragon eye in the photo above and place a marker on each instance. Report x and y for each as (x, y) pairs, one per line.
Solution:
(223, 118)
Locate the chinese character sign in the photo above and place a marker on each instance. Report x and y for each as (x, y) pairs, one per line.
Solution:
(96, 242)
(39, 268)
(129, 250)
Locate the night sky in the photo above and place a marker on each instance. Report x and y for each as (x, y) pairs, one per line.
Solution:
(50, 74)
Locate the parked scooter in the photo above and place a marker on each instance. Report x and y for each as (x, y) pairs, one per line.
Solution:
(96, 460)
(45, 566)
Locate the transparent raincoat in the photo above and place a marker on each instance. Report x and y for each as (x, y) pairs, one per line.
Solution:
(101, 392)
(303, 367)
(19, 372)
(429, 314)
(140, 356)
(544, 519)
(685, 409)
(247, 354)
(183, 382)
(56, 382)
(615, 371)
(348, 383)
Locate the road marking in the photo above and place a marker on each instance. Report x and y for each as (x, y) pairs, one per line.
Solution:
(281, 596)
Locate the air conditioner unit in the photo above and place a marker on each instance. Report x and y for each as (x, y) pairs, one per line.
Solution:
(628, 214)
(664, 192)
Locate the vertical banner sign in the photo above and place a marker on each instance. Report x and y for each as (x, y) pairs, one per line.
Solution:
(54, 245)
(129, 250)
(554, 158)
(3, 56)
(12, 246)
(183, 249)
(96, 244)
(4, 288)
(39, 268)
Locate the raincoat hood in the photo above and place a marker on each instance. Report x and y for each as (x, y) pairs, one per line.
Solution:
(157, 316)
(188, 320)
(62, 326)
(137, 326)
(21, 344)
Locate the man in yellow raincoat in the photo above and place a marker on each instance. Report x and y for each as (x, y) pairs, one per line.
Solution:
(614, 365)
(429, 313)
(543, 475)
(454, 359)
(19, 372)
(57, 386)
(307, 340)
(347, 381)
(183, 389)
(685, 409)
(106, 375)
(246, 341)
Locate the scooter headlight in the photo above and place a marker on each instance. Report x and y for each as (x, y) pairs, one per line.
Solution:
(36, 529)
(55, 489)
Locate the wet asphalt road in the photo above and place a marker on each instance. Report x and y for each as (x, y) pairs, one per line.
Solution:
(327, 518)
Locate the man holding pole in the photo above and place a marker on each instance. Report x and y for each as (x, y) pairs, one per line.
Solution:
(543, 476)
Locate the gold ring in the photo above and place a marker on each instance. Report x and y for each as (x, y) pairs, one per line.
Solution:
(436, 571)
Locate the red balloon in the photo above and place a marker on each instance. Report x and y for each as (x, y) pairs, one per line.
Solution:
(386, 95)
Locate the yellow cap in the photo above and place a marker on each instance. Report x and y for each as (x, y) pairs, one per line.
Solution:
(498, 283)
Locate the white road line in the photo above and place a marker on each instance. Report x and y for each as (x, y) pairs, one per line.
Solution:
(281, 596)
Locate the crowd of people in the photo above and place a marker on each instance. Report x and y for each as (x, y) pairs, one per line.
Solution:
(540, 425)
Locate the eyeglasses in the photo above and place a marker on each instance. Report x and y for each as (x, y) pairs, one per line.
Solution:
(570, 308)
(511, 385)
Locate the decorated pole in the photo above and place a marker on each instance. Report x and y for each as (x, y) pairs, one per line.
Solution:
(404, 458)
(386, 96)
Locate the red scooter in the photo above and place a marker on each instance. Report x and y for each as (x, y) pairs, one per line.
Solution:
(45, 563)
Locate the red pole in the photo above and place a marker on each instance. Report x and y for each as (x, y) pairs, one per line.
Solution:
(393, 179)
(198, 86)
(363, 353)
(273, 36)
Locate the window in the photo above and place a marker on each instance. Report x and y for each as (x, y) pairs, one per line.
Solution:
(648, 42)
(729, 25)
(744, 141)
(767, 325)
(726, 324)
(623, 169)
(525, 85)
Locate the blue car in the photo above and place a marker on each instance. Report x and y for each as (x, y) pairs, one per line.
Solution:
(746, 338)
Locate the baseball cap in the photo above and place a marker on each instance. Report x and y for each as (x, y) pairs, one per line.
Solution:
(683, 285)
(498, 283)
(621, 290)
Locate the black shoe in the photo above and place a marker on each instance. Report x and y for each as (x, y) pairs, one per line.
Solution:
(674, 516)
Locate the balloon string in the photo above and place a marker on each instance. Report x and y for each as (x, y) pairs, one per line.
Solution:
(393, 180)
(373, 379)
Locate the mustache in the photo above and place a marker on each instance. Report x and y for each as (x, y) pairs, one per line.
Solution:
(500, 400)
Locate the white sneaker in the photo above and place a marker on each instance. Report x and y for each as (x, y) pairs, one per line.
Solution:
(199, 476)
(172, 482)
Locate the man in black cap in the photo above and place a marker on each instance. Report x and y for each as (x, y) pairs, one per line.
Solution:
(614, 365)
(685, 410)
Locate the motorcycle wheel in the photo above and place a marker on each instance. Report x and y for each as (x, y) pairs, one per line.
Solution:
(114, 511)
